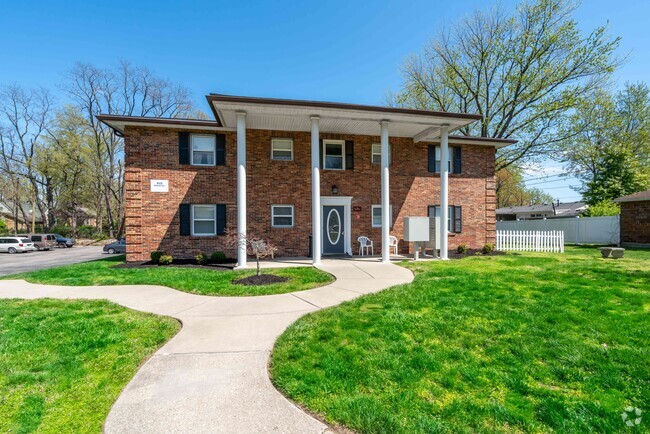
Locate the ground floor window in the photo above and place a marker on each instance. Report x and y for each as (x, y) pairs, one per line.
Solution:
(282, 216)
(204, 220)
(454, 217)
(376, 216)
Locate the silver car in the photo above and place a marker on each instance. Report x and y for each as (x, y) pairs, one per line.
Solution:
(16, 245)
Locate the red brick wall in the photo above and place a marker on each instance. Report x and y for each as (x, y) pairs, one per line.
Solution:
(635, 222)
(152, 221)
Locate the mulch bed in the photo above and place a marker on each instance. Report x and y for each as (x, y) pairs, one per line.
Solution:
(182, 263)
(262, 279)
(453, 254)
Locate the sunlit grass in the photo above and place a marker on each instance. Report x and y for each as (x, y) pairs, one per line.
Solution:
(516, 343)
(194, 280)
(64, 363)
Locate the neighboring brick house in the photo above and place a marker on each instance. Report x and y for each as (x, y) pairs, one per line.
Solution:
(290, 145)
(635, 219)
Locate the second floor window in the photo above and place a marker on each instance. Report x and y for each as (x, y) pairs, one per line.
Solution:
(453, 162)
(376, 153)
(282, 149)
(334, 154)
(203, 149)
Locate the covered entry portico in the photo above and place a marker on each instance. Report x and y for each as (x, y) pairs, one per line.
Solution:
(336, 118)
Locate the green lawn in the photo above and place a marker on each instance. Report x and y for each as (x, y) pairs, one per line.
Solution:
(63, 363)
(194, 280)
(514, 343)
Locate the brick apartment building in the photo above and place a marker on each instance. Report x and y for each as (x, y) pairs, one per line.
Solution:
(264, 165)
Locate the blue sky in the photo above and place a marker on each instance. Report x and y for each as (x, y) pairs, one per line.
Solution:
(338, 50)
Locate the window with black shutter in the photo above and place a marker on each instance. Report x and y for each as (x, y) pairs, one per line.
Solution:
(454, 163)
(454, 217)
(185, 219)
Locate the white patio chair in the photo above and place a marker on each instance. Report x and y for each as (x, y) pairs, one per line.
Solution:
(392, 243)
(365, 246)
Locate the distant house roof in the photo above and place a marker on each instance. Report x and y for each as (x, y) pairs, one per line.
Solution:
(635, 197)
(7, 211)
(563, 209)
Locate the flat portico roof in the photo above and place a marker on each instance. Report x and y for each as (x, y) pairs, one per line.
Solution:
(341, 118)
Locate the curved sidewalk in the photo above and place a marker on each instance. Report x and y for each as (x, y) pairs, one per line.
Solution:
(212, 376)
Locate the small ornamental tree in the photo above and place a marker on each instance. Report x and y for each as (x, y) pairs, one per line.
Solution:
(255, 246)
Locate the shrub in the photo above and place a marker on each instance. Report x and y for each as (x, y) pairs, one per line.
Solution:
(201, 258)
(65, 231)
(218, 258)
(487, 249)
(156, 255)
(462, 248)
(3, 227)
(165, 260)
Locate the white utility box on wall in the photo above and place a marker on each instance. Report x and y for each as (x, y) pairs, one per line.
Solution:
(416, 229)
(422, 231)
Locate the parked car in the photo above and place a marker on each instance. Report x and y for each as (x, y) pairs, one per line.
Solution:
(117, 247)
(16, 245)
(62, 241)
(41, 241)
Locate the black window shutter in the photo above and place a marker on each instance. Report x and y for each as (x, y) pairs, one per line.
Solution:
(432, 159)
(186, 223)
(220, 150)
(221, 219)
(431, 211)
(320, 152)
(183, 148)
(349, 155)
(457, 159)
(458, 219)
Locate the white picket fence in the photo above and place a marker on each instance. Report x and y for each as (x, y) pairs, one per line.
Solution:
(531, 241)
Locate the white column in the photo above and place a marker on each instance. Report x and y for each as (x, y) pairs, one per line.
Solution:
(385, 194)
(317, 230)
(444, 191)
(241, 189)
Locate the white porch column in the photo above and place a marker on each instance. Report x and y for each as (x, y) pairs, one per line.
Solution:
(241, 189)
(444, 191)
(317, 230)
(385, 194)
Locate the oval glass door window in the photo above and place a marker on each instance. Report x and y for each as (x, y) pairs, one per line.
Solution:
(333, 226)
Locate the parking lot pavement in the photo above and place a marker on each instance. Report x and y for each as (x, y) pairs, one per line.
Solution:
(21, 262)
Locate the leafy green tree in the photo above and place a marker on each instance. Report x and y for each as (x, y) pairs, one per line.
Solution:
(512, 191)
(608, 143)
(618, 174)
(522, 71)
(603, 208)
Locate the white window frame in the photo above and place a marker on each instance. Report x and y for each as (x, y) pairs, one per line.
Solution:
(214, 232)
(293, 218)
(373, 153)
(279, 139)
(214, 149)
(450, 161)
(333, 142)
(372, 216)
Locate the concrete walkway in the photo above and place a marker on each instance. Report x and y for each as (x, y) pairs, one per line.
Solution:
(212, 376)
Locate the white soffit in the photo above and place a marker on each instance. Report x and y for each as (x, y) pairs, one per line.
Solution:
(334, 120)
